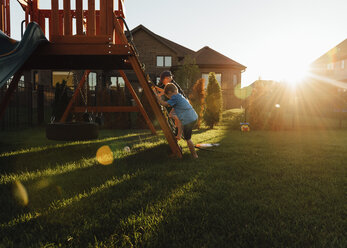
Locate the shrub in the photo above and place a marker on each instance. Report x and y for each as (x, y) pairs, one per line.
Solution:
(213, 101)
(197, 99)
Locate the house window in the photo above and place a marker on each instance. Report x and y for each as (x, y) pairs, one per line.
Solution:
(168, 60)
(218, 77)
(117, 81)
(92, 80)
(234, 79)
(164, 61)
(59, 76)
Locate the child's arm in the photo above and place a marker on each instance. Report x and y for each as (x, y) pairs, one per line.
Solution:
(165, 104)
(160, 91)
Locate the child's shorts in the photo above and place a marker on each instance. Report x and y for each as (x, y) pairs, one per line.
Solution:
(188, 129)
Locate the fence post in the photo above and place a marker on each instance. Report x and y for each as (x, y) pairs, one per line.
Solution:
(28, 87)
(40, 104)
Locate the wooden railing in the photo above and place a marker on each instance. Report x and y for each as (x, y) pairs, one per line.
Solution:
(81, 25)
(5, 17)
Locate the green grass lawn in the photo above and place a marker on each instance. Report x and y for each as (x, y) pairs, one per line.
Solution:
(258, 189)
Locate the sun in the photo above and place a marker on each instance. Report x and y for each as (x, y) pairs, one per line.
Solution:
(292, 75)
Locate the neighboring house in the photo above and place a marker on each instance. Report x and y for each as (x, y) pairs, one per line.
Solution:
(332, 65)
(159, 54)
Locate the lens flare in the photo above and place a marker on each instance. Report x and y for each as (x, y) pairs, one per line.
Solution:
(104, 155)
(20, 193)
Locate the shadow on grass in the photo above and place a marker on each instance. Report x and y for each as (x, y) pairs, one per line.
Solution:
(52, 156)
(86, 206)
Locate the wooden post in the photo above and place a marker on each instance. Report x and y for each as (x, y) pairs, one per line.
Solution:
(12, 87)
(91, 18)
(67, 18)
(77, 91)
(54, 28)
(79, 17)
(138, 102)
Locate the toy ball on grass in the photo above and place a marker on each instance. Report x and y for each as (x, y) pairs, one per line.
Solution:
(126, 149)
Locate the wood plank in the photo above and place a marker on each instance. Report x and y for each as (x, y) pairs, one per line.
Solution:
(83, 49)
(61, 24)
(2, 15)
(120, 8)
(11, 89)
(109, 17)
(105, 109)
(54, 28)
(103, 17)
(8, 18)
(138, 102)
(79, 17)
(91, 18)
(155, 107)
(97, 23)
(43, 24)
(73, 98)
(81, 39)
(67, 18)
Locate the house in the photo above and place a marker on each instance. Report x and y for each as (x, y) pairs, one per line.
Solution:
(158, 54)
(332, 65)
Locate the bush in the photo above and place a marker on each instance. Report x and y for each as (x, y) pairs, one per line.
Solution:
(213, 101)
(264, 109)
(197, 99)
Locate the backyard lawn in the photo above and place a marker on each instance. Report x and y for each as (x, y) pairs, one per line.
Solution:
(257, 189)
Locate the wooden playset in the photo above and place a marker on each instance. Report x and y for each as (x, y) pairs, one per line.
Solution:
(83, 38)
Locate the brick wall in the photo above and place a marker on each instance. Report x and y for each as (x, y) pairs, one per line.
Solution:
(149, 48)
(227, 85)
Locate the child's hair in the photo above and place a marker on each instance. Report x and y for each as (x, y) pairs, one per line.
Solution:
(170, 88)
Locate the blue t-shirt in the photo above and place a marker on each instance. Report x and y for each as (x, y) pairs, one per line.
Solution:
(184, 111)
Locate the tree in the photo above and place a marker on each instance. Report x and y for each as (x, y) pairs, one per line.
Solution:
(213, 101)
(187, 74)
(197, 99)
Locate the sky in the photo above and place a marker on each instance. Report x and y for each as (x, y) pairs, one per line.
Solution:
(274, 39)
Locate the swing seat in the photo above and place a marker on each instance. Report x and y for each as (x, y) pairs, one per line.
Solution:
(72, 131)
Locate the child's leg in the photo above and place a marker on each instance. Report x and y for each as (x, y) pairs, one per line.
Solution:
(187, 130)
(178, 124)
(192, 148)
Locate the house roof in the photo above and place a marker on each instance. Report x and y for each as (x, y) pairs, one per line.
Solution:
(206, 56)
(337, 53)
(180, 50)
